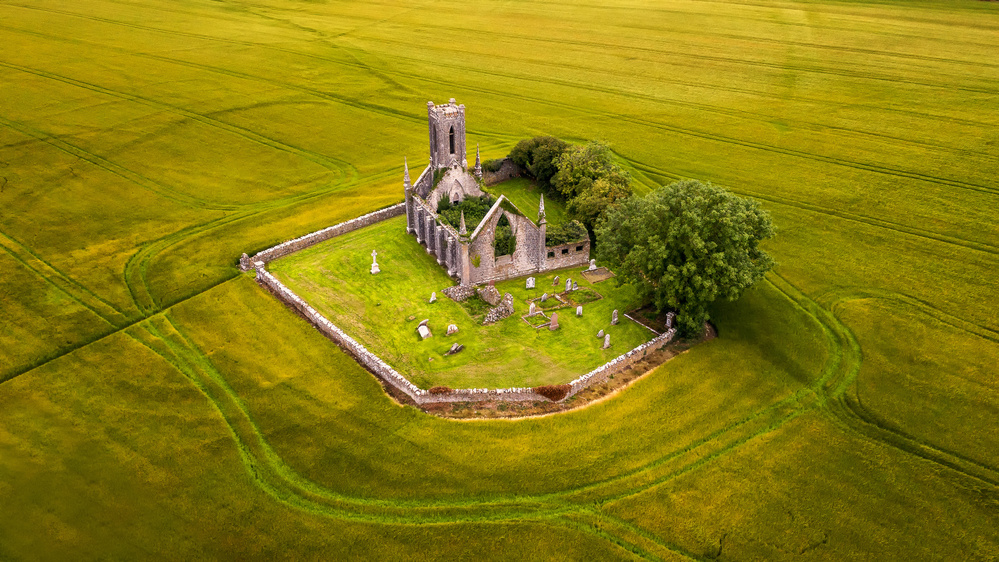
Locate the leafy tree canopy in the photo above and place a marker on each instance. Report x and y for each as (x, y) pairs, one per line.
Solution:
(580, 166)
(602, 194)
(558, 234)
(539, 157)
(686, 245)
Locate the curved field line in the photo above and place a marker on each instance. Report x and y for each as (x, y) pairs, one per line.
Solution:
(847, 411)
(853, 217)
(785, 409)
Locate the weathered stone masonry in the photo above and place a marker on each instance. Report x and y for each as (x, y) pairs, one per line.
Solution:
(470, 258)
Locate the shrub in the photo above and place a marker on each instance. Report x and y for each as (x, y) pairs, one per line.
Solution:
(539, 157)
(505, 242)
(572, 231)
(553, 392)
(475, 209)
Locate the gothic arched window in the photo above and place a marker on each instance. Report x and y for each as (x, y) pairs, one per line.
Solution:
(452, 140)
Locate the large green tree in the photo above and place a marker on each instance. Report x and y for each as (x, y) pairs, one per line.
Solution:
(686, 245)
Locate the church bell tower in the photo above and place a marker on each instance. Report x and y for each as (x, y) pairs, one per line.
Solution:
(447, 135)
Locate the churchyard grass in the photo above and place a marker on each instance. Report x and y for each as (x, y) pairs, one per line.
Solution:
(524, 193)
(156, 403)
(383, 310)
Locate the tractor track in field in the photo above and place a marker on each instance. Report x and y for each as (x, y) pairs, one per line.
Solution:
(863, 219)
(153, 186)
(561, 65)
(60, 280)
(386, 75)
(847, 411)
(330, 164)
(161, 335)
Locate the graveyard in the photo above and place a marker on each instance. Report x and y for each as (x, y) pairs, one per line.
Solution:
(383, 311)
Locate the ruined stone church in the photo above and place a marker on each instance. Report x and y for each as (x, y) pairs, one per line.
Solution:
(471, 257)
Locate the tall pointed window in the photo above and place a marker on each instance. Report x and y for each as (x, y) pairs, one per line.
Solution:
(452, 140)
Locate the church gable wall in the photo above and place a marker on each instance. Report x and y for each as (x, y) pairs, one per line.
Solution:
(521, 262)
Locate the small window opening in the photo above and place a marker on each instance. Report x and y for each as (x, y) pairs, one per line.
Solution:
(565, 251)
(551, 254)
(579, 248)
(452, 140)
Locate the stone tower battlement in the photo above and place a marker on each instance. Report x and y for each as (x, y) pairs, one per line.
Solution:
(447, 135)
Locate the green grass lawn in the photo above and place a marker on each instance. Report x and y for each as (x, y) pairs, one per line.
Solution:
(382, 312)
(156, 403)
(526, 196)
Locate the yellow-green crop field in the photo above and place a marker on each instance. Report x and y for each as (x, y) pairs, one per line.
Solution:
(156, 403)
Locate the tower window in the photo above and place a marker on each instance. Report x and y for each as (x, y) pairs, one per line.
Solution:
(452, 140)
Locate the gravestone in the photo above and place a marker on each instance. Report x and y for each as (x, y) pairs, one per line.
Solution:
(600, 334)
(614, 318)
(544, 297)
(593, 265)
(452, 329)
(579, 310)
(424, 322)
(568, 285)
(433, 297)
(606, 341)
(424, 331)
(374, 262)
(530, 282)
(575, 286)
(533, 310)
(455, 349)
(669, 320)
(555, 282)
(554, 325)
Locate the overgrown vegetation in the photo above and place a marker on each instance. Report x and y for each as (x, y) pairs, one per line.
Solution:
(572, 231)
(504, 242)
(492, 165)
(539, 157)
(475, 209)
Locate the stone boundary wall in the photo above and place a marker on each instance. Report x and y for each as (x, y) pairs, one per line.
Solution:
(621, 362)
(313, 238)
(383, 370)
(507, 170)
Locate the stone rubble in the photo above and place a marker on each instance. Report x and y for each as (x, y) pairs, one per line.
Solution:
(500, 312)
